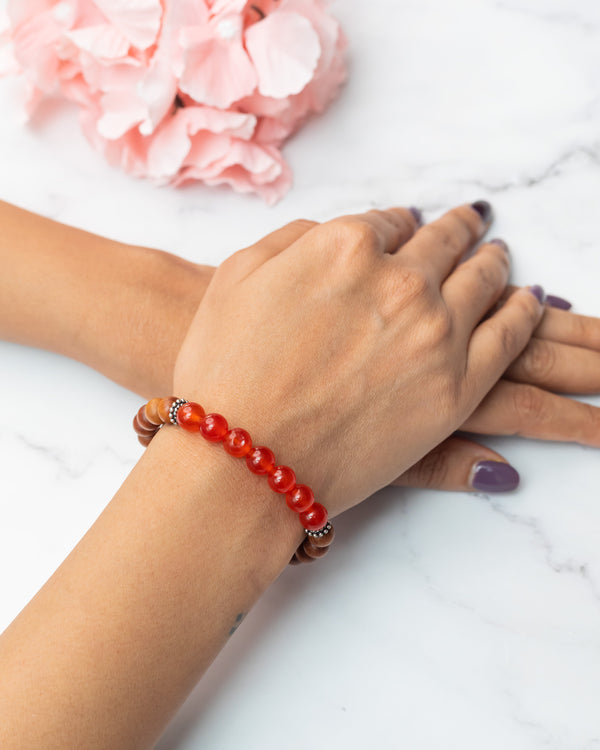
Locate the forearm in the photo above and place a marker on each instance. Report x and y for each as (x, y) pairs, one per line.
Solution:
(112, 644)
(120, 309)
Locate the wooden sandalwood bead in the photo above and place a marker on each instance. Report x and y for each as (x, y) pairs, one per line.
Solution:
(151, 411)
(302, 556)
(143, 430)
(164, 407)
(145, 439)
(314, 552)
(294, 560)
(322, 541)
(143, 419)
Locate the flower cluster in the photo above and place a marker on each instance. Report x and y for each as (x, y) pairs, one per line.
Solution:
(184, 90)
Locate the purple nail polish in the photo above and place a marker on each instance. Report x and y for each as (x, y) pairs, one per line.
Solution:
(538, 292)
(416, 212)
(484, 210)
(494, 476)
(500, 243)
(558, 302)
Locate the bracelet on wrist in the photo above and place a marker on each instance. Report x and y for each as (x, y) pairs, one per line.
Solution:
(189, 415)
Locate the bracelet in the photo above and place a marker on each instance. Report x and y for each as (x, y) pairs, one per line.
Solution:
(260, 460)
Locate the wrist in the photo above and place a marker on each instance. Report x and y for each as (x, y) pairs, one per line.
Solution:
(157, 294)
(218, 491)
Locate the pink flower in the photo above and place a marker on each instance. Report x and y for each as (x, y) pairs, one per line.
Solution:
(183, 90)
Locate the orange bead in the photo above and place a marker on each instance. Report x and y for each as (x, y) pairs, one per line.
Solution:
(214, 427)
(260, 460)
(151, 411)
(237, 442)
(164, 407)
(282, 479)
(314, 518)
(300, 498)
(190, 416)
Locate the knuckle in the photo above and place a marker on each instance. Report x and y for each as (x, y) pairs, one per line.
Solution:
(355, 234)
(539, 360)
(529, 404)
(439, 327)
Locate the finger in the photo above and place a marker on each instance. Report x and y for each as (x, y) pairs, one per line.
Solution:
(557, 367)
(250, 258)
(442, 243)
(500, 339)
(385, 230)
(516, 409)
(565, 327)
(476, 285)
(461, 465)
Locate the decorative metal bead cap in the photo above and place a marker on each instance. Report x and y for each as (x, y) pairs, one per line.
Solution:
(320, 532)
(174, 409)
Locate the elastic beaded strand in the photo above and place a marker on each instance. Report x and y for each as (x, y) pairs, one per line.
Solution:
(260, 460)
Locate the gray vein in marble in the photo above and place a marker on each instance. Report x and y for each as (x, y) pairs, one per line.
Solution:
(52, 455)
(568, 566)
(555, 169)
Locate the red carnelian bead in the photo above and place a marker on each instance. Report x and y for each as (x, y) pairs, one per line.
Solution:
(237, 442)
(282, 479)
(260, 460)
(300, 498)
(314, 518)
(189, 416)
(214, 427)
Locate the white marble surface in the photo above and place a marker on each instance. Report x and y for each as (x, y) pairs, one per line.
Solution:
(439, 620)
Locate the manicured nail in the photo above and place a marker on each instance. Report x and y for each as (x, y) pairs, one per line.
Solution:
(484, 209)
(494, 476)
(416, 212)
(559, 302)
(538, 292)
(500, 243)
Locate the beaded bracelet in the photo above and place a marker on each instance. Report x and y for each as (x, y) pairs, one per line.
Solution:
(260, 460)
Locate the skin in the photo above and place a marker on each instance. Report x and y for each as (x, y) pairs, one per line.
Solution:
(92, 276)
(360, 311)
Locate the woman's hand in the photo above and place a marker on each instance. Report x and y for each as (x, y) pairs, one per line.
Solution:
(355, 346)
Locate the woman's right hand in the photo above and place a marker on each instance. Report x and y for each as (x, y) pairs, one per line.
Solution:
(356, 346)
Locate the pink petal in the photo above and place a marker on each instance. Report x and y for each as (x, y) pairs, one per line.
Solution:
(104, 41)
(138, 20)
(217, 70)
(158, 90)
(120, 112)
(285, 50)
(172, 142)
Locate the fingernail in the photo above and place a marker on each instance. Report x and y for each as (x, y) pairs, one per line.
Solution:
(538, 292)
(416, 212)
(500, 243)
(494, 476)
(559, 302)
(484, 210)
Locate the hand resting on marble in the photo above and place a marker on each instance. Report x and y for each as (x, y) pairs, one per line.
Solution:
(158, 294)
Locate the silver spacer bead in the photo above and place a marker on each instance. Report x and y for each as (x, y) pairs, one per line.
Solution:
(174, 409)
(320, 532)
